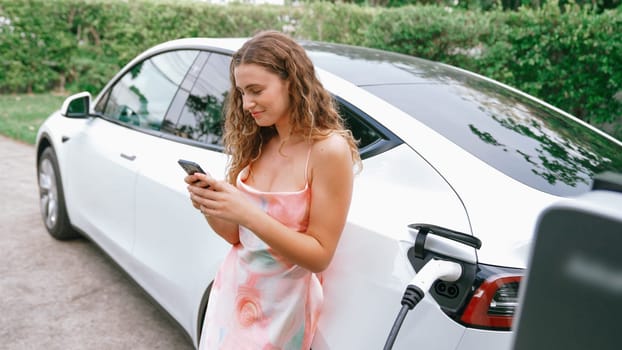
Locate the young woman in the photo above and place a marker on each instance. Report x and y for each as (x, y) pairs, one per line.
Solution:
(284, 202)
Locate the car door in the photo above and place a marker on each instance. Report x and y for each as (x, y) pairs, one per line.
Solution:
(177, 249)
(109, 150)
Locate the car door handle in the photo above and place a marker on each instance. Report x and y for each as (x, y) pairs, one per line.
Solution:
(123, 155)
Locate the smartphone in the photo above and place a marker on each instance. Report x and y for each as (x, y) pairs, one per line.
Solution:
(190, 167)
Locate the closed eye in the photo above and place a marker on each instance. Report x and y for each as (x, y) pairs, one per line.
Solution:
(252, 89)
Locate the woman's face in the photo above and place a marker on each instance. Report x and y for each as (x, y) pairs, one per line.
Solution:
(264, 94)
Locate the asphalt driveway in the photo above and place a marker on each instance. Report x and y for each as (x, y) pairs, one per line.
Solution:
(64, 295)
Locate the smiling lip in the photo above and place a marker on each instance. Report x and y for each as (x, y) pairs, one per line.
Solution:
(255, 114)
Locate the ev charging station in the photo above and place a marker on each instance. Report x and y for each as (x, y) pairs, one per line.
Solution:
(571, 296)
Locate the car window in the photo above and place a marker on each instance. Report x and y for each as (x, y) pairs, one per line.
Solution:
(196, 113)
(201, 117)
(372, 137)
(363, 133)
(522, 138)
(142, 96)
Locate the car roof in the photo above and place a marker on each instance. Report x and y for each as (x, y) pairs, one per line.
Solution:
(379, 67)
(345, 61)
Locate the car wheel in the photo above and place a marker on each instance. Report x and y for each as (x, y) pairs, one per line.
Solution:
(52, 199)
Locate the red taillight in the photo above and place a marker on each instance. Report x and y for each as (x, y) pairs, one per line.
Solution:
(493, 304)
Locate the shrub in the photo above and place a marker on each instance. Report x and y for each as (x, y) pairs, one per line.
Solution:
(569, 58)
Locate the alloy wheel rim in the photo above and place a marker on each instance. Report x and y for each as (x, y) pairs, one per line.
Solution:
(48, 193)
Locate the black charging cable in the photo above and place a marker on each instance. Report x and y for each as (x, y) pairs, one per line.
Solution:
(412, 296)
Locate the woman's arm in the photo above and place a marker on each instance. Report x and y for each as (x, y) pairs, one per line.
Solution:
(332, 181)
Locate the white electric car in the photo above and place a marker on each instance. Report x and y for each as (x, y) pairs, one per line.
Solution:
(451, 161)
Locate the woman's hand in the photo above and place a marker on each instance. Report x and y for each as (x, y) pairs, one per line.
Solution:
(221, 200)
(194, 180)
(206, 195)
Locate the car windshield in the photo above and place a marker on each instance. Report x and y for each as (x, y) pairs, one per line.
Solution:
(520, 137)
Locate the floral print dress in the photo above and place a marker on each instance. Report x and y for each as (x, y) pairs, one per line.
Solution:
(258, 299)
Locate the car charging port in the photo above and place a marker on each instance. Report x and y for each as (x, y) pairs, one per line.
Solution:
(446, 277)
(451, 296)
(447, 290)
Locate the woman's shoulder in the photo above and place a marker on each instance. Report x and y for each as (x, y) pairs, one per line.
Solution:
(333, 147)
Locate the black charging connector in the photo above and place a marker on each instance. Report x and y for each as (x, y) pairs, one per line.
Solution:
(412, 296)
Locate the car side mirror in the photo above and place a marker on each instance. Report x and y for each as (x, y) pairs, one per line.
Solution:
(77, 106)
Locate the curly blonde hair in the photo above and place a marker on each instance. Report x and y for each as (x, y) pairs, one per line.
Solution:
(313, 113)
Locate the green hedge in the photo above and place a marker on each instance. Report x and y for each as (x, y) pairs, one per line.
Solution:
(79, 44)
(571, 59)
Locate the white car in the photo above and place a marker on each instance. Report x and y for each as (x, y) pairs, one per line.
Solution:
(450, 159)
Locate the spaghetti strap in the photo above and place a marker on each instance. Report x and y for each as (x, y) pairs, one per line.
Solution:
(307, 165)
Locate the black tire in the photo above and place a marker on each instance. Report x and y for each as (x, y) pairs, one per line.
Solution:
(202, 312)
(52, 198)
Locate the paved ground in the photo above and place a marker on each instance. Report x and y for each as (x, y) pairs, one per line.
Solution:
(64, 295)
